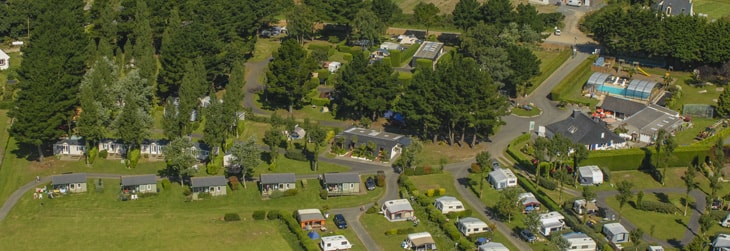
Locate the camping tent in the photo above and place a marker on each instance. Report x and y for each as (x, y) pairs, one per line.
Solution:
(313, 235)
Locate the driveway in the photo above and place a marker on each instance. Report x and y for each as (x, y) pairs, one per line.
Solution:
(693, 226)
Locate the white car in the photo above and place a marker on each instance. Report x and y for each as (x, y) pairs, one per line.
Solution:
(557, 32)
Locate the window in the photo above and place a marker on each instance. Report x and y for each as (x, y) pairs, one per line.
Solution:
(476, 230)
(72, 186)
(2, 61)
(329, 244)
(584, 247)
(485, 229)
(211, 189)
(218, 189)
(149, 187)
(352, 185)
(343, 243)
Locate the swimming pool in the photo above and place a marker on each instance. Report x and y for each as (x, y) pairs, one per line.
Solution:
(612, 90)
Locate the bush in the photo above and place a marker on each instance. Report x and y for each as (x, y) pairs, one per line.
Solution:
(475, 168)
(548, 184)
(380, 181)
(92, 154)
(441, 191)
(347, 57)
(430, 192)
(320, 101)
(392, 231)
(133, 158)
(333, 39)
(660, 207)
(103, 154)
(323, 194)
(295, 154)
(273, 215)
(386, 61)
(233, 182)
(186, 191)
(424, 63)
(204, 196)
(718, 215)
(409, 230)
(462, 214)
(374, 209)
(215, 165)
(259, 215)
(166, 184)
(407, 54)
(291, 192)
(427, 170)
(231, 217)
(395, 60)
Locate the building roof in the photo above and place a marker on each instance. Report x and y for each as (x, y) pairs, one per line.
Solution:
(552, 215)
(390, 46)
(309, 215)
(334, 238)
(493, 246)
(139, 180)
(470, 221)
(502, 174)
(579, 128)
(528, 198)
(365, 135)
(278, 178)
(722, 240)
(621, 105)
(615, 228)
(640, 88)
(589, 171)
(398, 205)
(159, 142)
(599, 78)
(3, 54)
(551, 223)
(429, 50)
(422, 238)
(448, 199)
(208, 181)
(73, 141)
(578, 238)
(675, 7)
(339, 178)
(68, 178)
(651, 119)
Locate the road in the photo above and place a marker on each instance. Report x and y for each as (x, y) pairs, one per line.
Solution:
(693, 226)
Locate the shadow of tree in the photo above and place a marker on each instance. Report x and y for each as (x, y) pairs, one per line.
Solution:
(662, 197)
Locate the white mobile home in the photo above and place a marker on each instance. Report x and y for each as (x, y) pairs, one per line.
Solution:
(448, 204)
(420, 241)
(470, 225)
(397, 210)
(590, 175)
(551, 222)
(580, 242)
(335, 242)
(616, 233)
(502, 178)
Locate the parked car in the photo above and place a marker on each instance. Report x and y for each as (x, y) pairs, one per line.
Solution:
(340, 221)
(527, 236)
(370, 183)
(495, 164)
(716, 204)
(557, 32)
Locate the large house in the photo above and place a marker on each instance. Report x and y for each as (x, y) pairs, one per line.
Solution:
(214, 185)
(470, 225)
(73, 146)
(645, 124)
(620, 108)
(388, 145)
(579, 128)
(69, 183)
(420, 242)
(341, 183)
(616, 233)
(270, 182)
(397, 210)
(310, 218)
(580, 242)
(428, 50)
(502, 178)
(139, 184)
(448, 204)
(4, 60)
(675, 7)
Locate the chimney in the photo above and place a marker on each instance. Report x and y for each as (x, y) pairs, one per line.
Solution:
(575, 114)
(603, 135)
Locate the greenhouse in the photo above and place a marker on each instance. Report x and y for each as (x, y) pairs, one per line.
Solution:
(599, 78)
(640, 89)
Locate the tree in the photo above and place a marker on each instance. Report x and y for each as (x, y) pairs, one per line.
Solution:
(386, 10)
(233, 98)
(426, 14)
(216, 124)
(559, 242)
(718, 162)
(508, 202)
(316, 135)
(300, 23)
(589, 195)
(246, 155)
(635, 236)
(706, 222)
(689, 183)
(665, 146)
(410, 157)
(624, 193)
(179, 158)
(561, 175)
(639, 198)
(368, 26)
(417, 106)
(288, 75)
(173, 57)
(499, 12)
(532, 221)
(580, 153)
(483, 161)
(466, 14)
(193, 87)
(273, 138)
(133, 123)
(144, 51)
(524, 65)
(96, 117)
(365, 90)
(53, 65)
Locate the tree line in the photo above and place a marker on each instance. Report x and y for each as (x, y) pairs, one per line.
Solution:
(685, 41)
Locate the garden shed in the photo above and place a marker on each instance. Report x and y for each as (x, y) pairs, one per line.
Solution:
(616, 233)
(310, 218)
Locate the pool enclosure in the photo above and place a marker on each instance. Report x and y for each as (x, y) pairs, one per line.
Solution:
(606, 83)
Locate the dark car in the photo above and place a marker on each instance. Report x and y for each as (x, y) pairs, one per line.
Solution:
(370, 183)
(495, 164)
(527, 236)
(716, 204)
(340, 221)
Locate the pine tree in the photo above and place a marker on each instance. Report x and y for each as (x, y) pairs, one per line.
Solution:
(214, 133)
(248, 156)
(53, 64)
(172, 57)
(723, 103)
(233, 99)
(192, 88)
(96, 116)
(143, 51)
(179, 158)
(289, 74)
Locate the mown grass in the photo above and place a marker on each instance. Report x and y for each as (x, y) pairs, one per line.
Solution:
(569, 89)
(550, 61)
(264, 48)
(714, 9)
(666, 226)
(525, 113)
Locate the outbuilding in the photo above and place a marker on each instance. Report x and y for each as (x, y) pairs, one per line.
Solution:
(470, 225)
(502, 178)
(335, 242)
(590, 175)
(420, 242)
(580, 242)
(310, 218)
(69, 183)
(397, 210)
(616, 233)
(582, 206)
(214, 185)
(448, 204)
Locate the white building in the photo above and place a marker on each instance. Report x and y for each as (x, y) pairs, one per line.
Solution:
(471, 225)
(655, 248)
(502, 178)
(721, 243)
(580, 242)
(616, 233)
(420, 241)
(551, 222)
(335, 242)
(493, 246)
(529, 202)
(590, 175)
(4, 60)
(448, 204)
(397, 210)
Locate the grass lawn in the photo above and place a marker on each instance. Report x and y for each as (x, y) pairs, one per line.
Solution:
(525, 113)
(714, 9)
(550, 61)
(687, 136)
(642, 180)
(264, 48)
(157, 222)
(285, 165)
(570, 87)
(666, 226)
(434, 154)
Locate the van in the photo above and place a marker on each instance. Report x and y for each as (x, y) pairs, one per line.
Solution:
(725, 222)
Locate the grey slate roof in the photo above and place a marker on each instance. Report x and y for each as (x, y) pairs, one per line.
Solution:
(72, 141)
(139, 180)
(653, 118)
(208, 181)
(278, 178)
(429, 50)
(383, 140)
(68, 178)
(339, 178)
(676, 7)
(722, 241)
(579, 128)
(620, 105)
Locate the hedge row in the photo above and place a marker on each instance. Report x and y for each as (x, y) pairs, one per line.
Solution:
(296, 229)
(656, 206)
(710, 141)
(568, 85)
(643, 158)
(395, 58)
(514, 150)
(407, 54)
(424, 63)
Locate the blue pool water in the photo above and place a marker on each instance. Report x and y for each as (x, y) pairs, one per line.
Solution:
(612, 90)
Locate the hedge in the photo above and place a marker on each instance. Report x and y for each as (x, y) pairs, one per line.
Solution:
(387, 61)
(548, 184)
(568, 85)
(321, 47)
(514, 150)
(347, 57)
(395, 58)
(661, 207)
(320, 101)
(259, 215)
(424, 63)
(407, 54)
(296, 229)
(295, 154)
(231, 217)
(405, 78)
(641, 158)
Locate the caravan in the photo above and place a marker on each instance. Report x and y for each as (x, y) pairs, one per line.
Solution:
(725, 222)
(576, 3)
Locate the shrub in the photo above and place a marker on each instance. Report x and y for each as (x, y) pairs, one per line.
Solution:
(259, 215)
(186, 191)
(204, 195)
(451, 231)
(374, 209)
(291, 192)
(424, 63)
(386, 61)
(380, 181)
(718, 215)
(295, 154)
(427, 170)
(548, 184)
(442, 191)
(347, 57)
(462, 214)
(92, 154)
(320, 101)
(323, 194)
(273, 214)
(276, 194)
(233, 182)
(409, 230)
(133, 158)
(475, 168)
(395, 60)
(166, 184)
(215, 165)
(333, 39)
(430, 192)
(660, 207)
(231, 217)
(409, 171)
(419, 171)
(103, 154)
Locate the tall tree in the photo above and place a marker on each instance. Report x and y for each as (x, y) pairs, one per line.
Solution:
(636, 235)
(426, 14)
(96, 114)
(482, 159)
(288, 75)
(173, 56)
(233, 98)
(524, 65)
(367, 26)
(143, 51)
(718, 162)
(664, 145)
(532, 221)
(411, 156)
(386, 10)
(579, 154)
(624, 193)
(179, 158)
(132, 125)
(417, 106)
(216, 125)
(193, 87)
(508, 202)
(365, 90)
(247, 155)
(273, 138)
(499, 12)
(316, 136)
(559, 243)
(53, 65)
(300, 23)
(466, 14)
(689, 183)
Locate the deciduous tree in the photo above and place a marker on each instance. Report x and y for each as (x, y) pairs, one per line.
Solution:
(316, 136)
(288, 75)
(482, 159)
(179, 158)
(466, 14)
(508, 202)
(426, 14)
(624, 193)
(247, 155)
(368, 26)
(689, 183)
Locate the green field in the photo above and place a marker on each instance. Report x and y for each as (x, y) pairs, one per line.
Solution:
(714, 9)
(666, 226)
(550, 61)
(165, 221)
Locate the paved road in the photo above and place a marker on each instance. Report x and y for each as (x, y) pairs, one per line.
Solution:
(693, 226)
